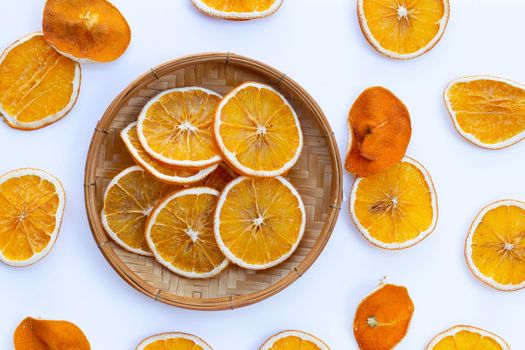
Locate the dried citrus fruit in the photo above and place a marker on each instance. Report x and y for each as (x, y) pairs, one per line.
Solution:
(31, 209)
(403, 29)
(238, 10)
(128, 201)
(87, 30)
(258, 131)
(180, 233)
(163, 172)
(383, 317)
(467, 338)
(294, 340)
(487, 111)
(219, 178)
(38, 86)
(175, 127)
(259, 222)
(36, 334)
(397, 208)
(173, 341)
(380, 130)
(495, 245)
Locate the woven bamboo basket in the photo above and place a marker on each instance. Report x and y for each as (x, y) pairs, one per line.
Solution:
(317, 176)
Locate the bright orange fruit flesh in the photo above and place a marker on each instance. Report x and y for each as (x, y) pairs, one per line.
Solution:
(498, 246)
(382, 318)
(259, 222)
(35, 334)
(29, 207)
(219, 178)
(173, 344)
(404, 27)
(468, 338)
(294, 343)
(240, 6)
(92, 30)
(180, 232)
(36, 83)
(258, 131)
(490, 112)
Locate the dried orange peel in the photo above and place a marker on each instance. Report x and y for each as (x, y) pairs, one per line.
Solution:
(86, 30)
(238, 10)
(37, 334)
(467, 338)
(382, 319)
(173, 341)
(294, 340)
(487, 111)
(38, 86)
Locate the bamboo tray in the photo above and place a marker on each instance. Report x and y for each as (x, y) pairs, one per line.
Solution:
(317, 176)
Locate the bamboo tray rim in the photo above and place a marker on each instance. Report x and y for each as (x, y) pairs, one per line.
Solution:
(230, 302)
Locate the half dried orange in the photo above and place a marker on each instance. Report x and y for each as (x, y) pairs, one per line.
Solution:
(397, 208)
(173, 341)
(38, 86)
(86, 30)
(487, 111)
(238, 10)
(258, 131)
(163, 172)
(382, 318)
(495, 245)
(294, 340)
(467, 338)
(31, 209)
(176, 127)
(179, 232)
(128, 201)
(403, 29)
(259, 222)
(37, 334)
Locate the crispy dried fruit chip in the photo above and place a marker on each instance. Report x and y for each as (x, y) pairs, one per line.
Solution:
(36, 334)
(380, 130)
(86, 30)
(238, 10)
(294, 340)
(382, 318)
(467, 338)
(173, 341)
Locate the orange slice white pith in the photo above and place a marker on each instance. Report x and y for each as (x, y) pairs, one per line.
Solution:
(467, 338)
(495, 245)
(173, 341)
(294, 340)
(31, 209)
(176, 127)
(396, 208)
(128, 201)
(258, 131)
(179, 232)
(161, 171)
(403, 29)
(238, 10)
(487, 111)
(38, 86)
(259, 222)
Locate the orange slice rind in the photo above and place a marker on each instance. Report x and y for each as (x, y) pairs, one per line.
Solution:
(294, 340)
(467, 338)
(173, 340)
(238, 10)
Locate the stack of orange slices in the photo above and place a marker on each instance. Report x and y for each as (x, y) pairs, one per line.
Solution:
(184, 202)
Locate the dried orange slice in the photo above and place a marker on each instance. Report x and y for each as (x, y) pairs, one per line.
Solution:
(403, 29)
(87, 30)
(163, 172)
(38, 86)
(258, 131)
(175, 127)
(238, 10)
(179, 232)
(383, 317)
(31, 209)
(259, 222)
(173, 341)
(219, 178)
(36, 334)
(294, 340)
(128, 201)
(396, 208)
(495, 245)
(467, 338)
(487, 111)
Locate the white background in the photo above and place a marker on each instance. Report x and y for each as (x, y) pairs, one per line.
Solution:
(319, 44)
